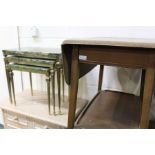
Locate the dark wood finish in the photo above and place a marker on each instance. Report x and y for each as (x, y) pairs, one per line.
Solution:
(118, 56)
(142, 84)
(73, 87)
(113, 42)
(111, 110)
(125, 54)
(100, 78)
(147, 97)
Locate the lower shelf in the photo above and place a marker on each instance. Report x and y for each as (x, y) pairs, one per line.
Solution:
(111, 110)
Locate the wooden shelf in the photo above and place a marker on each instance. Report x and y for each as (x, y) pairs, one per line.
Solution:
(111, 110)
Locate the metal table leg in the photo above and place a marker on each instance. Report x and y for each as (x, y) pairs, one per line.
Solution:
(30, 75)
(100, 78)
(63, 83)
(8, 78)
(21, 75)
(9, 84)
(59, 88)
(53, 89)
(13, 88)
(48, 94)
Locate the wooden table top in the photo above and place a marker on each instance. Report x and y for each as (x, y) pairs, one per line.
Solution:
(123, 42)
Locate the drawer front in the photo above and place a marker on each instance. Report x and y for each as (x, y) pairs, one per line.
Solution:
(40, 124)
(136, 58)
(15, 121)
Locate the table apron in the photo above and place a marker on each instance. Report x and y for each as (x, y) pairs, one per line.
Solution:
(118, 58)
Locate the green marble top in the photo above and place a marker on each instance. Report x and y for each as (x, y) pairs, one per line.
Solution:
(33, 52)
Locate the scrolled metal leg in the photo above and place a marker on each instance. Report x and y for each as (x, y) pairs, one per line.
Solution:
(30, 75)
(48, 95)
(13, 88)
(53, 89)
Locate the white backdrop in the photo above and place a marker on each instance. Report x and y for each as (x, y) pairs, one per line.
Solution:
(121, 78)
(8, 39)
(53, 37)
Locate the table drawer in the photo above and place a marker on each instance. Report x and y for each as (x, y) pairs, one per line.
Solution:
(14, 120)
(41, 124)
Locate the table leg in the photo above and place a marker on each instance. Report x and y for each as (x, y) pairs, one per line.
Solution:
(8, 79)
(100, 78)
(147, 97)
(73, 86)
(48, 95)
(21, 75)
(9, 84)
(63, 83)
(30, 75)
(13, 88)
(142, 85)
(59, 89)
(68, 92)
(53, 89)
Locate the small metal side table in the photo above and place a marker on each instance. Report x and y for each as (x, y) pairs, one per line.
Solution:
(35, 60)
